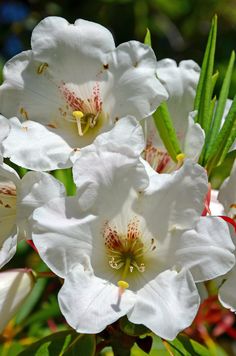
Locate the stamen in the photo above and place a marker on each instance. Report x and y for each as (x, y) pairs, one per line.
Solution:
(180, 158)
(123, 284)
(126, 268)
(87, 120)
(78, 115)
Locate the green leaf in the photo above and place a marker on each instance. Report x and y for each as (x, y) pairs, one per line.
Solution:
(82, 345)
(31, 301)
(158, 349)
(50, 310)
(11, 348)
(220, 106)
(65, 176)
(224, 140)
(185, 346)
(165, 127)
(201, 158)
(206, 81)
(132, 329)
(52, 345)
(147, 39)
(220, 173)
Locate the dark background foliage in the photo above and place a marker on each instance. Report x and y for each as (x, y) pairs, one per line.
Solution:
(179, 28)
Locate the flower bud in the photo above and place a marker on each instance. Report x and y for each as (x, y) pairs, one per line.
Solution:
(15, 286)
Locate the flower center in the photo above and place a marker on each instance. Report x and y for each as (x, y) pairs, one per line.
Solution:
(86, 111)
(7, 195)
(84, 121)
(127, 252)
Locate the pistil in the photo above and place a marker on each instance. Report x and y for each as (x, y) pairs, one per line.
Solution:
(122, 284)
(84, 121)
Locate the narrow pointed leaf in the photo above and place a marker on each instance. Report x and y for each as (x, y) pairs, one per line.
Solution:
(212, 106)
(221, 172)
(220, 105)
(207, 81)
(224, 140)
(166, 130)
(205, 69)
(147, 39)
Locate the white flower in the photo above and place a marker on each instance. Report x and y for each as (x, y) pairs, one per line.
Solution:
(18, 199)
(180, 83)
(127, 246)
(4, 131)
(227, 197)
(15, 286)
(73, 85)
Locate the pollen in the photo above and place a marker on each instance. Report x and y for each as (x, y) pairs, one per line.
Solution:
(77, 115)
(180, 157)
(123, 284)
(127, 252)
(41, 68)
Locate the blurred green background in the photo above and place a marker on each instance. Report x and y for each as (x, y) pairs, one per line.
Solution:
(179, 28)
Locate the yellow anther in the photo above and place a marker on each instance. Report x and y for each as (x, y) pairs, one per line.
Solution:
(180, 157)
(78, 114)
(123, 284)
(41, 68)
(24, 113)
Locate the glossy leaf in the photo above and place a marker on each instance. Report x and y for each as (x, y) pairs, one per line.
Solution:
(82, 345)
(147, 39)
(206, 81)
(166, 130)
(220, 105)
(224, 140)
(220, 173)
(132, 329)
(52, 345)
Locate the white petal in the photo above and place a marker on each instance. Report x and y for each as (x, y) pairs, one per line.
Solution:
(15, 286)
(227, 193)
(89, 303)
(194, 139)
(174, 201)
(37, 188)
(227, 295)
(114, 157)
(125, 137)
(206, 250)
(8, 244)
(4, 130)
(37, 147)
(133, 67)
(62, 234)
(166, 304)
(26, 94)
(8, 235)
(181, 83)
(54, 38)
(216, 207)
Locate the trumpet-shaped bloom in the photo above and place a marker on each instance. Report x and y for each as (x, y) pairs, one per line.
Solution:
(4, 131)
(131, 247)
(180, 83)
(15, 286)
(227, 197)
(73, 85)
(18, 199)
